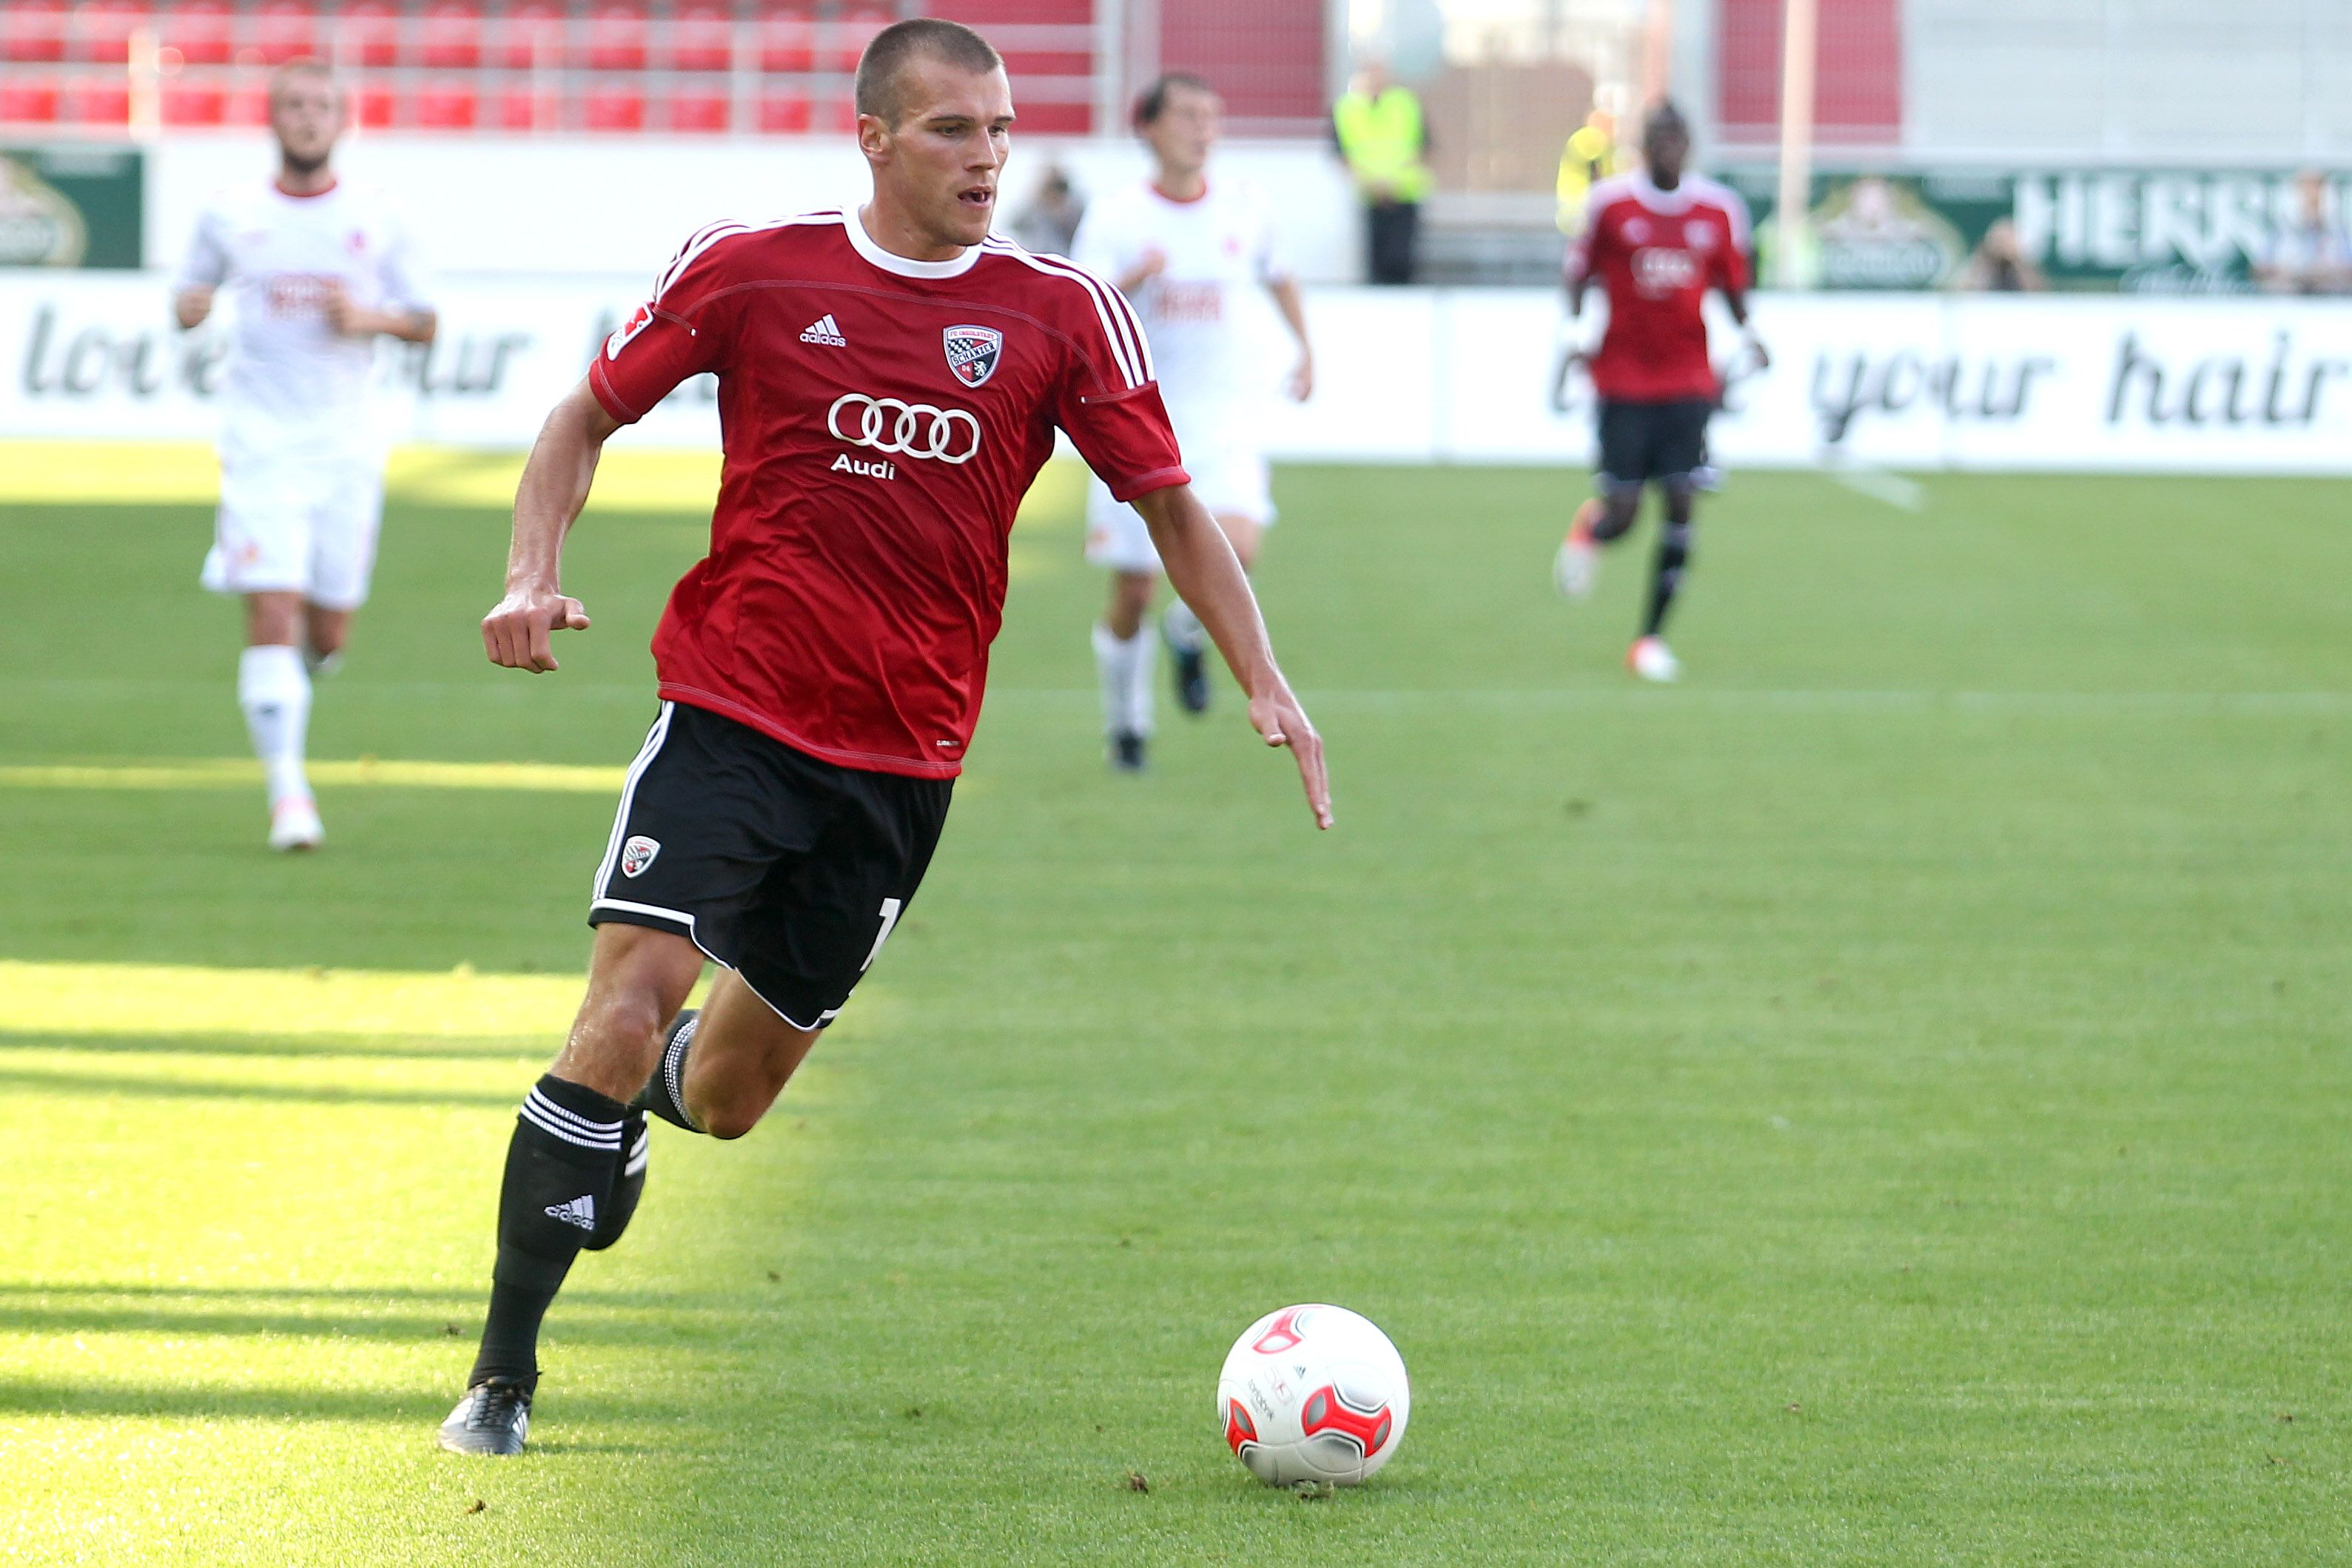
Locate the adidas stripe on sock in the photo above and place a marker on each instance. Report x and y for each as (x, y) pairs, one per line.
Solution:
(588, 1133)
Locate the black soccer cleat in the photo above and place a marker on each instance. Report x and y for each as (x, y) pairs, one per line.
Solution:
(492, 1419)
(1191, 678)
(627, 1187)
(1127, 752)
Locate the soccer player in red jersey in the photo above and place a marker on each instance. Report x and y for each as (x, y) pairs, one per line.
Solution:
(1656, 240)
(890, 380)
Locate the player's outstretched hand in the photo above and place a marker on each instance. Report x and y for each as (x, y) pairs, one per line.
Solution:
(1283, 722)
(518, 633)
(1571, 361)
(1302, 378)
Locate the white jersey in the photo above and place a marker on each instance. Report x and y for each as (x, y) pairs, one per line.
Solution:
(292, 380)
(1206, 345)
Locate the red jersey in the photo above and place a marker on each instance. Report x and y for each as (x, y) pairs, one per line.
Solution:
(1655, 254)
(881, 419)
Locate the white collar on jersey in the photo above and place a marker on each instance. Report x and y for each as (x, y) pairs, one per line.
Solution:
(1674, 201)
(862, 244)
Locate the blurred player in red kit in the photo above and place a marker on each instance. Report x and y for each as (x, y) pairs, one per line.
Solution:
(1655, 240)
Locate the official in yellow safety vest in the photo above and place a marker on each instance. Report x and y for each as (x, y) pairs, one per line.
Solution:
(1384, 136)
(1590, 157)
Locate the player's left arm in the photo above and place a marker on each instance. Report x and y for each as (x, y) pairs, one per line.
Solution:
(1287, 300)
(1202, 566)
(1731, 279)
(352, 319)
(401, 286)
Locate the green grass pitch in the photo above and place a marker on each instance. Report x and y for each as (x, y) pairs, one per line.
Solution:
(1886, 1100)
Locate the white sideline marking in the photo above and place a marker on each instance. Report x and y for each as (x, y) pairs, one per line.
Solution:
(1879, 484)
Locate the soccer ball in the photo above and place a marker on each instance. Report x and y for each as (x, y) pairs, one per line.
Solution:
(1313, 1394)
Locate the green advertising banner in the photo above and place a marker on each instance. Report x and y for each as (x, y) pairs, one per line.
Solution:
(71, 206)
(2134, 231)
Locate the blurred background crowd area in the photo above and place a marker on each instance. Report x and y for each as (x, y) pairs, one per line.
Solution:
(2166, 146)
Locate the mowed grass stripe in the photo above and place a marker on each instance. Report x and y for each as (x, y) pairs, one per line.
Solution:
(185, 1001)
(223, 772)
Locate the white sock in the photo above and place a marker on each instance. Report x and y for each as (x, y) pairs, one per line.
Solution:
(1125, 665)
(1181, 628)
(275, 692)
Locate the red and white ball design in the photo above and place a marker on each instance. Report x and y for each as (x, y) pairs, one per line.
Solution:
(1313, 1394)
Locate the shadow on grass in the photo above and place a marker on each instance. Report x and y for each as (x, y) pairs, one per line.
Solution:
(20, 1082)
(421, 1409)
(457, 1295)
(54, 1398)
(480, 1048)
(596, 1317)
(458, 1327)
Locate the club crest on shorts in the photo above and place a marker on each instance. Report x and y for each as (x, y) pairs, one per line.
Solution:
(972, 352)
(637, 854)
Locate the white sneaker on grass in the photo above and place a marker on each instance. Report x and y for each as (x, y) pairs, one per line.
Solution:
(1651, 659)
(294, 824)
(1578, 561)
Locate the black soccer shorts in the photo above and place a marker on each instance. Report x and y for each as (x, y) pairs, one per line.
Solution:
(1645, 441)
(789, 871)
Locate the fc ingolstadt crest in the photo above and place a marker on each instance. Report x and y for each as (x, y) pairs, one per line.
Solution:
(972, 352)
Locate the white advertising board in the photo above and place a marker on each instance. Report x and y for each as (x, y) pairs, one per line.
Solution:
(1915, 381)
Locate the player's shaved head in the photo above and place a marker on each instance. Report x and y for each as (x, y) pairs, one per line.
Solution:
(882, 71)
(1666, 144)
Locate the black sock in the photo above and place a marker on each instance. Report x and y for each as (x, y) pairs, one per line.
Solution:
(560, 1170)
(1666, 576)
(665, 1093)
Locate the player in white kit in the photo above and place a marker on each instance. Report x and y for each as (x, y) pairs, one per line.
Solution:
(316, 269)
(1186, 251)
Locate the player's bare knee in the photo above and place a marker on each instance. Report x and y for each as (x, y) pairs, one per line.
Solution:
(727, 1122)
(273, 620)
(1619, 504)
(1130, 601)
(1681, 493)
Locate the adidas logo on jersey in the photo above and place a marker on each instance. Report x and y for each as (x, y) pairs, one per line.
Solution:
(827, 330)
(581, 1211)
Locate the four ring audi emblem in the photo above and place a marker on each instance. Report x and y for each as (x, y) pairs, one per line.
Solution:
(905, 429)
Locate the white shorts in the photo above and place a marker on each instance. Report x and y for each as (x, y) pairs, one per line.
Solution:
(303, 524)
(1229, 477)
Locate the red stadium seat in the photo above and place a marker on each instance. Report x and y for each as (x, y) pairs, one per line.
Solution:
(787, 38)
(374, 105)
(96, 100)
(194, 104)
(617, 35)
(282, 30)
(34, 30)
(850, 32)
(531, 34)
(28, 101)
(699, 111)
(102, 29)
(783, 114)
(450, 35)
(702, 36)
(201, 30)
(520, 109)
(367, 33)
(445, 106)
(1057, 119)
(248, 102)
(612, 108)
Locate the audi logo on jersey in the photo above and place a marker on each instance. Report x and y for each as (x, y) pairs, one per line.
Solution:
(906, 429)
(1659, 271)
